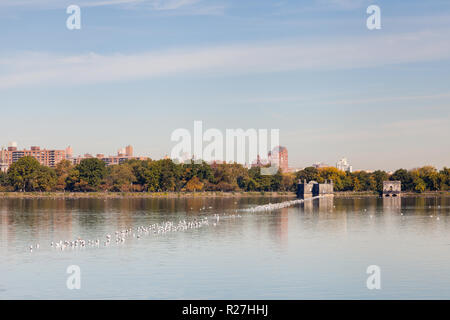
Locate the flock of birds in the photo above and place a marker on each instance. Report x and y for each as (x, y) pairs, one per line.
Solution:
(161, 228)
(120, 236)
(280, 205)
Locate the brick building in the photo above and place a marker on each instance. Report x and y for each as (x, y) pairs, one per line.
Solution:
(279, 157)
(49, 158)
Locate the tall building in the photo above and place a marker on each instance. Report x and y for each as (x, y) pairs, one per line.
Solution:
(3, 162)
(344, 165)
(279, 157)
(129, 151)
(49, 158)
(69, 152)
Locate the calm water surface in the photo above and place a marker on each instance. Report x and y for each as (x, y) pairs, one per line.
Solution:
(317, 250)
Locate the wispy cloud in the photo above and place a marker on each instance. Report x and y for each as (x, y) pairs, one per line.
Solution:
(319, 100)
(344, 4)
(108, 3)
(160, 5)
(172, 4)
(396, 130)
(357, 52)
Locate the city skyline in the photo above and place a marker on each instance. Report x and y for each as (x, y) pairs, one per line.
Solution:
(138, 70)
(278, 156)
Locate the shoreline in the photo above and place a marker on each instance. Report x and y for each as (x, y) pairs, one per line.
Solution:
(353, 194)
(141, 195)
(207, 194)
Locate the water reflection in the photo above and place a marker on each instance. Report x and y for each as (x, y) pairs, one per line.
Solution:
(392, 204)
(290, 248)
(320, 205)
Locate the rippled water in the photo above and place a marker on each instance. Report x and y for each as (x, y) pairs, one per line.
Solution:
(316, 250)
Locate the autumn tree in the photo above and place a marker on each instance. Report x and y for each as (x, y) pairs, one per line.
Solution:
(194, 185)
(121, 178)
(444, 179)
(62, 170)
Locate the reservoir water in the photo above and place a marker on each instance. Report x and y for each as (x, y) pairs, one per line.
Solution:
(319, 249)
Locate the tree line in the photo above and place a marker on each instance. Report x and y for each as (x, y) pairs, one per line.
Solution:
(27, 174)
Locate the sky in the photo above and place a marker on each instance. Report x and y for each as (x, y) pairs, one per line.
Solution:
(139, 69)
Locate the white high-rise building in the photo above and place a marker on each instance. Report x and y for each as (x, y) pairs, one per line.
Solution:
(344, 165)
(12, 144)
(3, 162)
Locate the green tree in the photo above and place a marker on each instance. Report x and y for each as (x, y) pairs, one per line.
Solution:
(90, 173)
(379, 177)
(170, 174)
(308, 174)
(419, 185)
(363, 181)
(46, 179)
(147, 174)
(201, 170)
(348, 182)
(405, 177)
(276, 181)
(120, 178)
(23, 174)
(444, 179)
(332, 173)
(4, 183)
(288, 182)
(372, 183)
(72, 181)
(263, 182)
(247, 184)
(429, 175)
(357, 185)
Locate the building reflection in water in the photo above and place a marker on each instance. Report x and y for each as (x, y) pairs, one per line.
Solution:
(316, 211)
(321, 205)
(392, 204)
(34, 218)
(282, 226)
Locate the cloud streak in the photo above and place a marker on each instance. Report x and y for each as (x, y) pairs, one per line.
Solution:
(33, 69)
(346, 102)
(160, 5)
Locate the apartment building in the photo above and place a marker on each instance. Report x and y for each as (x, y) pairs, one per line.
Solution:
(49, 158)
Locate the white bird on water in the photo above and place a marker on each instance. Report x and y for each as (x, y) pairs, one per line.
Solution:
(280, 205)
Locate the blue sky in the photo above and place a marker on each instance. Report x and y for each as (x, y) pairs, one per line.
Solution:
(138, 70)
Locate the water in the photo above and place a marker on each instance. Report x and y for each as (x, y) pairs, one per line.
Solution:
(316, 250)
